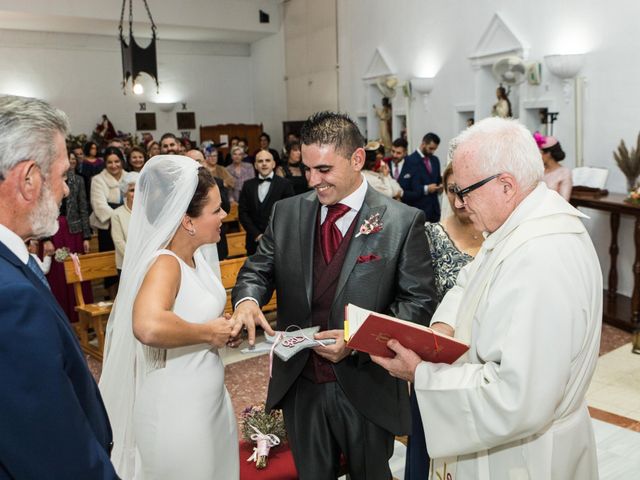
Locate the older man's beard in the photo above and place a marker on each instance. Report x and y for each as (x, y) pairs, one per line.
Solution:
(44, 218)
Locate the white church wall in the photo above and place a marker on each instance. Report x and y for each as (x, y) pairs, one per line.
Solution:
(269, 92)
(435, 39)
(82, 74)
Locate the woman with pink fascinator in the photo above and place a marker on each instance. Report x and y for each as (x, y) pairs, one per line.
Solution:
(556, 176)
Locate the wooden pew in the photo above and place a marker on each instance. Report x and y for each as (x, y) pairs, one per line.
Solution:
(229, 270)
(93, 316)
(236, 243)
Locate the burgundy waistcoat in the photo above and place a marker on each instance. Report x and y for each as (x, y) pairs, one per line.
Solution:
(325, 282)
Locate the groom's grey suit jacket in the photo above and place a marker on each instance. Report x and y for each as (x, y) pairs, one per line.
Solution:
(399, 283)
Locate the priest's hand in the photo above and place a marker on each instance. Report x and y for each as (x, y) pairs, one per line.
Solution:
(336, 352)
(248, 315)
(403, 365)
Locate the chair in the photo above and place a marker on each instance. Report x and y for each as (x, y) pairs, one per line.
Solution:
(93, 316)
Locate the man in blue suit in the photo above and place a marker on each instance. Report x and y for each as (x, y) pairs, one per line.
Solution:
(421, 180)
(52, 419)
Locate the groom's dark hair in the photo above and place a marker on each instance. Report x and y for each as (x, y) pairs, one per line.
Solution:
(331, 128)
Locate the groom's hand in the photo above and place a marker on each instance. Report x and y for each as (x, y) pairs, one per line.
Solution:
(248, 315)
(336, 352)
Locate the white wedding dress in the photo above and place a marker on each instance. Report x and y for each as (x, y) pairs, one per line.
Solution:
(183, 420)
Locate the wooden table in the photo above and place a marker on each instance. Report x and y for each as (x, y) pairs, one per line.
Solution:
(619, 310)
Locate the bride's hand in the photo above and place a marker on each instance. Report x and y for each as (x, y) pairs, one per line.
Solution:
(220, 329)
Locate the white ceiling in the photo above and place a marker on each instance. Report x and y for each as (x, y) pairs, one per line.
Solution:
(207, 21)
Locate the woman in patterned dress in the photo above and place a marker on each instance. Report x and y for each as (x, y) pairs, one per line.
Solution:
(453, 242)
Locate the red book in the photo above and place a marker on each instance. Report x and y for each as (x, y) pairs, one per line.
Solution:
(369, 332)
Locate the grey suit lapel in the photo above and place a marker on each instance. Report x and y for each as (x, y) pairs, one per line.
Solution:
(358, 244)
(307, 224)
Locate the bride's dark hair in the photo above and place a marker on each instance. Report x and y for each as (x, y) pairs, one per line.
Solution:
(206, 182)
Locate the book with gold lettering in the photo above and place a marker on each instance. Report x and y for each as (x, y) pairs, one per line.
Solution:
(369, 332)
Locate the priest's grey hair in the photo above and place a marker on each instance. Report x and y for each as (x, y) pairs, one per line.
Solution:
(28, 127)
(500, 145)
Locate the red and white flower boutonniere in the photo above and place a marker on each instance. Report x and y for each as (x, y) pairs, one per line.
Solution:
(370, 225)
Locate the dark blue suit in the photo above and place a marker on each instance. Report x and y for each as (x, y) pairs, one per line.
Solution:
(413, 178)
(52, 420)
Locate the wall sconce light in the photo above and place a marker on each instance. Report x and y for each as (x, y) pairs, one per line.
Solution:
(423, 86)
(565, 67)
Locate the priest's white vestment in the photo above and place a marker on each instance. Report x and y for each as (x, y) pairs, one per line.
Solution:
(530, 306)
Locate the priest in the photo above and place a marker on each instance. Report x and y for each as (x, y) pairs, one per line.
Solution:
(530, 307)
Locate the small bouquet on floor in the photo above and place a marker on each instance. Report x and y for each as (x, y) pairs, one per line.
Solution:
(265, 429)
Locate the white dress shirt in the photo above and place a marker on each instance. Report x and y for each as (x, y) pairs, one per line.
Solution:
(14, 243)
(263, 187)
(354, 201)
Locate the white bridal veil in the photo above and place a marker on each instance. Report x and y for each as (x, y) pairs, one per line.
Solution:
(163, 193)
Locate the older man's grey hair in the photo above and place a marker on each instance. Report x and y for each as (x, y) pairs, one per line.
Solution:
(28, 128)
(500, 145)
(129, 178)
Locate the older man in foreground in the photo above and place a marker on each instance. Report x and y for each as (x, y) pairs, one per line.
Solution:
(530, 306)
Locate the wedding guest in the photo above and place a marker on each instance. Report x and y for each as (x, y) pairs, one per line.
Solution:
(89, 166)
(556, 176)
(453, 242)
(233, 142)
(257, 198)
(74, 234)
(292, 169)
(265, 144)
(211, 157)
(163, 380)
(336, 400)
(136, 159)
(379, 180)
(122, 216)
(514, 404)
(240, 171)
(153, 149)
(53, 422)
(169, 144)
(105, 198)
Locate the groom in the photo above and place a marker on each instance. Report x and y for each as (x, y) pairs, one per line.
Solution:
(318, 258)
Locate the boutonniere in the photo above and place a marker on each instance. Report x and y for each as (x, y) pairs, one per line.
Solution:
(370, 225)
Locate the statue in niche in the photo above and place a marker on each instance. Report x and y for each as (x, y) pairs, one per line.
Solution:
(502, 108)
(384, 120)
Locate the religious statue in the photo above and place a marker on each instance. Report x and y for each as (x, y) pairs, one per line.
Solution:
(502, 108)
(384, 118)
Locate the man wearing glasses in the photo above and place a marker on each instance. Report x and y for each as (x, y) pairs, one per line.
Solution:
(530, 307)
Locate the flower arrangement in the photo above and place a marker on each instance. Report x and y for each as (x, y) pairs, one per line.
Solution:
(634, 196)
(628, 162)
(264, 428)
(61, 254)
(370, 225)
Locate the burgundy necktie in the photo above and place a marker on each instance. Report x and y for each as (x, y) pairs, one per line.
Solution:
(396, 170)
(427, 163)
(330, 235)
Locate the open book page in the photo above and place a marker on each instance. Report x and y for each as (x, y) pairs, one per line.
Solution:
(373, 331)
(355, 316)
(589, 177)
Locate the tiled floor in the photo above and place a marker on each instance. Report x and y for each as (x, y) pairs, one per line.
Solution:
(615, 386)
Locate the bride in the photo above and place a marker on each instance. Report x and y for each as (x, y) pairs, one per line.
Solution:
(162, 379)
